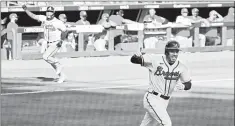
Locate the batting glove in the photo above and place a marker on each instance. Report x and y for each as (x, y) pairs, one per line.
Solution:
(59, 44)
(24, 7)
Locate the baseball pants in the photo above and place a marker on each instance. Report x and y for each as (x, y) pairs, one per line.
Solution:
(48, 55)
(156, 114)
(44, 45)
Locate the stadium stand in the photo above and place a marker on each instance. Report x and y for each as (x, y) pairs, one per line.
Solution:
(133, 10)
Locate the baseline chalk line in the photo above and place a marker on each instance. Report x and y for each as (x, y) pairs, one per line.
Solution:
(107, 87)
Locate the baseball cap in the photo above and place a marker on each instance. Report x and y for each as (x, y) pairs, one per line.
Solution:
(212, 12)
(13, 15)
(184, 10)
(63, 16)
(231, 10)
(105, 15)
(120, 12)
(50, 9)
(83, 13)
(195, 10)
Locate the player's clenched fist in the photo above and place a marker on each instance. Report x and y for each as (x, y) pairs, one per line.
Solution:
(137, 59)
(24, 7)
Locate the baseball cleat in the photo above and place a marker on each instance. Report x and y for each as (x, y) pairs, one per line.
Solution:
(61, 79)
(58, 69)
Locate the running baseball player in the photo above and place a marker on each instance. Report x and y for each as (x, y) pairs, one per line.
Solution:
(164, 74)
(53, 30)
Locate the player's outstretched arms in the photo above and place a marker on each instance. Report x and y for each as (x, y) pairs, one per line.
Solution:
(137, 59)
(29, 13)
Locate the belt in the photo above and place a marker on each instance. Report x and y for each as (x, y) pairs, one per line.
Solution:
(162, 96)
(52, 41)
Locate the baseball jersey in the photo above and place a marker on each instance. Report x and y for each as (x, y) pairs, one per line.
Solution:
(229, 18)
(52, 28)
(80, 22)
(162, 76)
(185, 32)
(11, 25)
(154, 18)
(119, 21)
(183, 20)
(197, 19)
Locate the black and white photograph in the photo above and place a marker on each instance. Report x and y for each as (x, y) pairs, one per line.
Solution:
(117, 63)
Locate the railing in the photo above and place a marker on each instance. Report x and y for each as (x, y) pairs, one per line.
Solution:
(142, 30)
(68, 5)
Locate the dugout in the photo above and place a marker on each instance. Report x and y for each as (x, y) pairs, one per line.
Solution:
(95, 15)
(133, 11)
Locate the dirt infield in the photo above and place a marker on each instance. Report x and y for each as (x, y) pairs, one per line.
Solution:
(108, 91)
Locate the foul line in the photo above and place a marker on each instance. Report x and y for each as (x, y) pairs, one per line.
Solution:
(96, 88)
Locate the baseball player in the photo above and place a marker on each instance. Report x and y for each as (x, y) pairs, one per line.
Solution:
(164, 75)
(9, 43)
(53, 31)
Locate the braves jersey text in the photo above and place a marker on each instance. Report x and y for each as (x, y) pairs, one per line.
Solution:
(52, 28)
(162, 76)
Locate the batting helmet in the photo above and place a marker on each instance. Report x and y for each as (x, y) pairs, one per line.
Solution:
(50, 9)
(172, 45)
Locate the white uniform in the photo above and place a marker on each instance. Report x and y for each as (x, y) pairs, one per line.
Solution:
(52, 28)
(52, 34)
(162, 79)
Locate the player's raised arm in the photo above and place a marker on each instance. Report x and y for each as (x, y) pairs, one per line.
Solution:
(137, 59)
(144, 60)
(30, 14)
